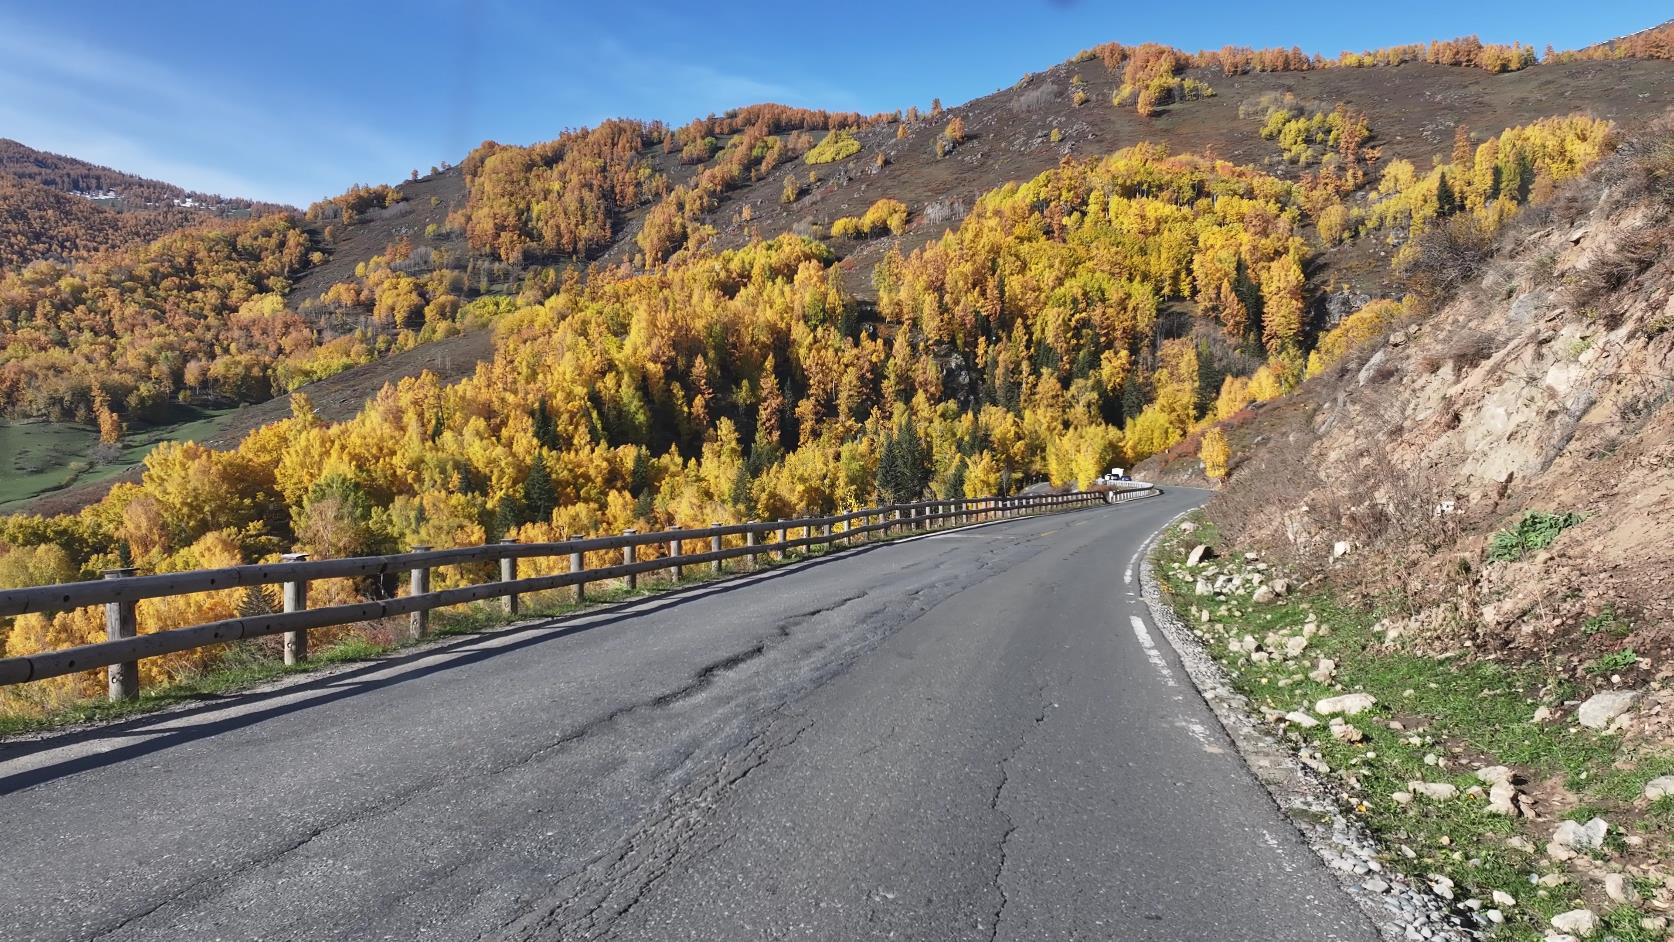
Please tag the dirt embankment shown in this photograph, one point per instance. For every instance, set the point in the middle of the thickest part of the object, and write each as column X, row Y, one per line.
column 1497, row 475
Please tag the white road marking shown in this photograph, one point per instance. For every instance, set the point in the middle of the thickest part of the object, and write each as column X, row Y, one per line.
column 1132, row 571
column 1201, row 734
column 1151, row 653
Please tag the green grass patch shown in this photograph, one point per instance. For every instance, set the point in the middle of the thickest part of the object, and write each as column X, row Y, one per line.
column 1436, row 720
column 40, row 457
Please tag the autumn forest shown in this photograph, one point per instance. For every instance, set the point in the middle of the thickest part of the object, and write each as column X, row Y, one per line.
column 663, row 355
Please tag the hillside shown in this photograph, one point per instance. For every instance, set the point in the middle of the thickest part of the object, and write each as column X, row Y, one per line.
column 392, row 270
column 1542, row 387
column 1456, row 524
column 58, row 208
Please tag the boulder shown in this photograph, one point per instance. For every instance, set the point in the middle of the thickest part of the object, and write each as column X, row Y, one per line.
column 1577, row 836
column 1280, row 587
column 1435, row 791
column 1347, row 704
column 1493, row 775
column 1199, row 553
column 1263, row 595
column 1301, row 719
column 1577, row 922
column 1659, row 787
column 1341, row 548
column 1295, row 645
column 1324, row 671
column 1601, row 709
column 1619, row 889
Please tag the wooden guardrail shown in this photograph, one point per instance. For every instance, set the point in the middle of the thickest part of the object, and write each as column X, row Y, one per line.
column 121, row 589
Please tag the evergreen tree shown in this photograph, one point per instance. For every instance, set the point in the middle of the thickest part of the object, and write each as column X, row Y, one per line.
column 540, row 497
column 256, row 602
column 1210, row 374
column 1447, row 203
column 1133, row 395
column 546, row 429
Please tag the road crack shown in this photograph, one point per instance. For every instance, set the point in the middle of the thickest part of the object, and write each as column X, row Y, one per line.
column 1004, row 844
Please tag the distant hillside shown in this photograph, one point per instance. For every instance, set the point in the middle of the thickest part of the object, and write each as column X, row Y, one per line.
column 379, row 274
column 58, row 208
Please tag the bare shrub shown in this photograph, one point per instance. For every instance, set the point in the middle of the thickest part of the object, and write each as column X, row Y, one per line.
column 946, row 209
column 1464, row 348
column 1447, row 256
column 1609, row 271
column 1643, row 167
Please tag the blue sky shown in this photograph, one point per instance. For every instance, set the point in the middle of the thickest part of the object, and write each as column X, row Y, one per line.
column 295, row 100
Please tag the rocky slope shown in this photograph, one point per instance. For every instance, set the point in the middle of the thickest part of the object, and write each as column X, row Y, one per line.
column 1495, row 473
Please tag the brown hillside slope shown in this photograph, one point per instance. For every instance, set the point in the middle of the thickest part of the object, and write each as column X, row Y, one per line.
column 60, row 208
column 1547, row 385
column 1413, row 110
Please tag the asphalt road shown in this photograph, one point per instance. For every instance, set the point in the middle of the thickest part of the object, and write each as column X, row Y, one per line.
column 973, row 735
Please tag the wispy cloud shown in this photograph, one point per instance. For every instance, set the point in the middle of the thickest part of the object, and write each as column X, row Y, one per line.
column 64, row 94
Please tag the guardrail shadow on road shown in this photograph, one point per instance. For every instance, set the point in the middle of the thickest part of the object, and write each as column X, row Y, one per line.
column 356, row 681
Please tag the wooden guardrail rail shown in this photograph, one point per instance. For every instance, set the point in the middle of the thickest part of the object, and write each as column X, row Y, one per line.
column 121, row 589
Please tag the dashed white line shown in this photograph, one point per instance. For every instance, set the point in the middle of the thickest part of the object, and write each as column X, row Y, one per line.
column 1151, row 653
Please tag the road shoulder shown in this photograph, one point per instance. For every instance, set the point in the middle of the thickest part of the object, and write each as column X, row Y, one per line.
column 1398, row 908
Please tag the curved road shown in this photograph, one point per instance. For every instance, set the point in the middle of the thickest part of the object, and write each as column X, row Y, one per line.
column 974, row 735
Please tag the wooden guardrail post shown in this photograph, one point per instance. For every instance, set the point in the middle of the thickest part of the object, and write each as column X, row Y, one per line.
column 576, row 564
column 715, row 546
column 121, row 621
column 295, row 599
column 419, row 584
column 508, row 573
column 631, row 580
column 674, row 556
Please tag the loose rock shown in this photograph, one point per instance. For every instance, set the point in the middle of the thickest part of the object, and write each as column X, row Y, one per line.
column 1578, row 922
column 1324, row 671
column 1347, row 704
column 1577, row 836
column 1435, row 791
column 1601, row 708
column 1659, row 787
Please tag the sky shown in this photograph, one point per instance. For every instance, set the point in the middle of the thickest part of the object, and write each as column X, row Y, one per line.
column 297, row 100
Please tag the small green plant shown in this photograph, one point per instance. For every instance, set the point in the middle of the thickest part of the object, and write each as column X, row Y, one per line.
column 1606, row 622
column 1535, row 531
column 1614, row 661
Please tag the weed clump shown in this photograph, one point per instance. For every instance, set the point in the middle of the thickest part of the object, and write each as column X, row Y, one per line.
column 1535, row 531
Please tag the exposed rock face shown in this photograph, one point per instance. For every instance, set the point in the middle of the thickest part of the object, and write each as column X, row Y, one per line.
column 1542, row 385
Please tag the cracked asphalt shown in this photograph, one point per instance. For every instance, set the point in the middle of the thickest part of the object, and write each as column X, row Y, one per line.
column 965, row 736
